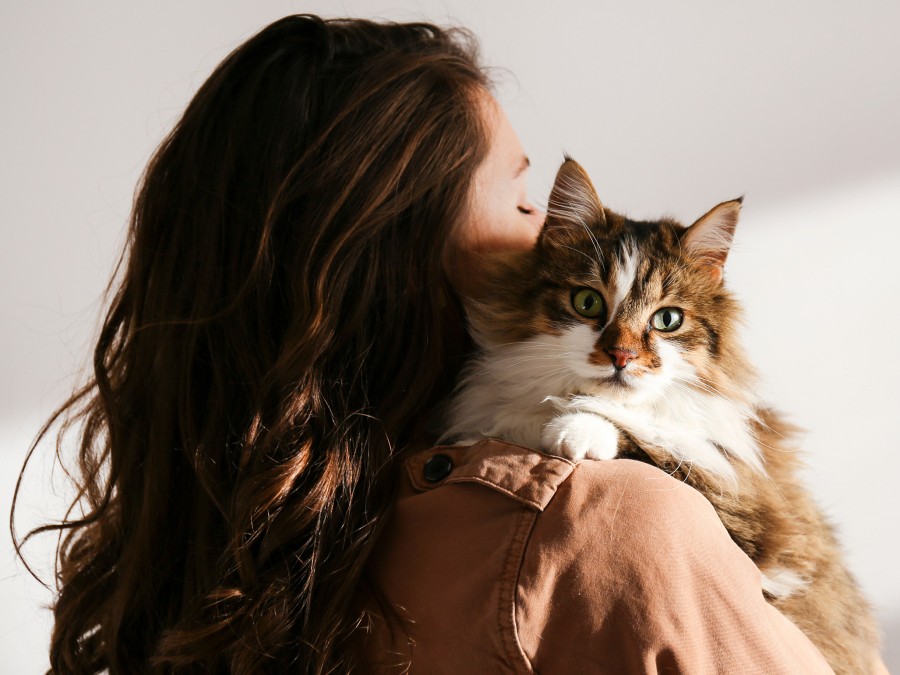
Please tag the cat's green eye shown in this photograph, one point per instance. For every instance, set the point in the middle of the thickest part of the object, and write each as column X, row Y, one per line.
column 667, row 319
column 587, row 302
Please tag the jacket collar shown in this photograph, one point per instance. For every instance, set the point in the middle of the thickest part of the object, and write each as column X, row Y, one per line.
column 528, row 476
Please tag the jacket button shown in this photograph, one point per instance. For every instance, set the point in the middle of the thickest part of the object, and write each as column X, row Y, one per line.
column 438, row 468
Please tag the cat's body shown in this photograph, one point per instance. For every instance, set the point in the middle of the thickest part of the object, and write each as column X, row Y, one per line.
column 615, row 338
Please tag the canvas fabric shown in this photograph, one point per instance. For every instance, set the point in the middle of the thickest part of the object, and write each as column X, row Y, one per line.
column 519, row 562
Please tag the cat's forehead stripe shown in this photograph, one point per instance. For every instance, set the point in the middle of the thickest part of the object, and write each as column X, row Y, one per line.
column 626, row 271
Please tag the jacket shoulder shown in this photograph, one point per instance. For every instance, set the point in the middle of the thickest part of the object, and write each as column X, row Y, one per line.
column 542, row 541
column 628, row 570
column 539, row 564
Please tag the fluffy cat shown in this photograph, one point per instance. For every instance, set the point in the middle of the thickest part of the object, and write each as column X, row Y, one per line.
column 617, row 338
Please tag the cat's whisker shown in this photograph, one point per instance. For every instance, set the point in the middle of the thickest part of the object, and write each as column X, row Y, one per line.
column 689, row 470
column 550, row 351
column 496, row 354
column 735, row 389
column 681, row 461
column 549, row 354
column 523, row 345
column 569, row 187
column 677, row 467
column 518, row 364
column 532, row 364
column 772, row 430
column 575, row 250
column 685, row 386
column 708, row 390
column 679, row 267
column 550, row 365
column 784, row 451
column 702, row 385
column 594, row 243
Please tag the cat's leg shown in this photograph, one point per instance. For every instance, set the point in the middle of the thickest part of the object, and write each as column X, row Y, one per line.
column 580, row 435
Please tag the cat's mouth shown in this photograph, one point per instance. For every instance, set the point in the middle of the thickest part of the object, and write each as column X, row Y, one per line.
column 619, row 379
column 622, row 380
column 615, row 382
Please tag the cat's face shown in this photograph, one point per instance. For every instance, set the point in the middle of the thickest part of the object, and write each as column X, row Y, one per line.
column 626, row 309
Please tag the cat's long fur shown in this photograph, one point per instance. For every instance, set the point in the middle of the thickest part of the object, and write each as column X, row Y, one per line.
column 545, row 377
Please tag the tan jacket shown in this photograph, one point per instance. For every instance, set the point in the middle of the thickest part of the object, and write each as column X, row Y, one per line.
column 499, row 559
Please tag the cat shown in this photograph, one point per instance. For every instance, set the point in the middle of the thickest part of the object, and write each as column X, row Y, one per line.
column 618, row 338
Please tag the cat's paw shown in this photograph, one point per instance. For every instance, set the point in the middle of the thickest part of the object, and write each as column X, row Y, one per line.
column 580, row 435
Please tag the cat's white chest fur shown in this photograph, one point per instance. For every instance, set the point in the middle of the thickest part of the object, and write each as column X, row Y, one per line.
column 525, row 393
column 505, row 392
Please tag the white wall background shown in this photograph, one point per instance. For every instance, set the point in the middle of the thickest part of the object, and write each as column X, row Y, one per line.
column 672, row 107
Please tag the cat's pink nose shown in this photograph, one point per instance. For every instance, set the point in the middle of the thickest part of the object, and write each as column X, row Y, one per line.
column 621, row 357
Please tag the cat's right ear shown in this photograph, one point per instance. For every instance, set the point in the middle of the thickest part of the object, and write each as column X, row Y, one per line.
column 709, row 239
column 573, row 203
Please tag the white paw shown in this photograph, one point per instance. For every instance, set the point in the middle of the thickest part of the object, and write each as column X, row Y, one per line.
column 580, row 436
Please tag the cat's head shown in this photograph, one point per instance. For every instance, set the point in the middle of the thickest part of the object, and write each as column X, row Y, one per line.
column 627, row 309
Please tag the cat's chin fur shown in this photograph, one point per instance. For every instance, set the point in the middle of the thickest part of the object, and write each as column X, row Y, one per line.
column 514, row 390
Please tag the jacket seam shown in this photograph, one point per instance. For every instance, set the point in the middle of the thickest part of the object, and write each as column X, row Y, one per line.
column 509, row 586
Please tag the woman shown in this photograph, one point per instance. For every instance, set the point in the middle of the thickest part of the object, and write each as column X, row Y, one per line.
column 258, row 491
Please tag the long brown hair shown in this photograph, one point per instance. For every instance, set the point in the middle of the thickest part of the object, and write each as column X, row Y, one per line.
column 278, row 330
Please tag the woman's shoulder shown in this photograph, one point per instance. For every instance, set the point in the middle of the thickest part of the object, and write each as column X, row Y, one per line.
column 492, row 544
column 537, row 563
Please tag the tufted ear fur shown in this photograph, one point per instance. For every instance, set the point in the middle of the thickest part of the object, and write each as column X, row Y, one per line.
column 573, row 201
column 709, row 239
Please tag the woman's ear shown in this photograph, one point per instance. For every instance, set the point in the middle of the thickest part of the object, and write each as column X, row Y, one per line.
column 709, row 239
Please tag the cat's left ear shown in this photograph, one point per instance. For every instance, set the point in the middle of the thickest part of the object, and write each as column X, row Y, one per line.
column 709, row 239
column 573, row 202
